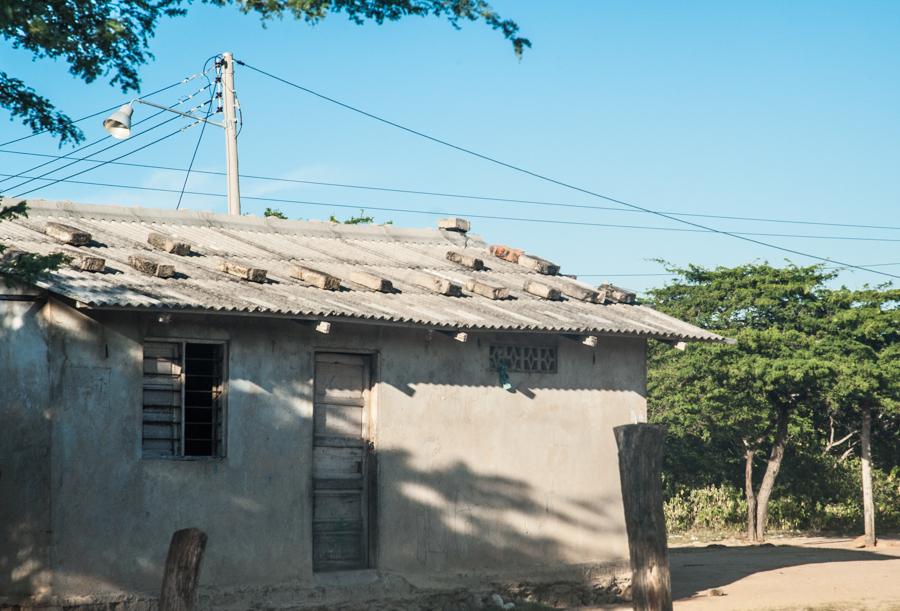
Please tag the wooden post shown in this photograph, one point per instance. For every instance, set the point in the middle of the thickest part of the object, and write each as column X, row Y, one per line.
column 179, row 586
column 865, row 442
column 640, row 469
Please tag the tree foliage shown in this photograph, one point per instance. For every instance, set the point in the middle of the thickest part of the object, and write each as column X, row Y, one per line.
column 19, row 265
column 807, row 356
column 112, row 38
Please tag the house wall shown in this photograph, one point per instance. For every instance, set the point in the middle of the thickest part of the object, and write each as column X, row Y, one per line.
column 471, row 477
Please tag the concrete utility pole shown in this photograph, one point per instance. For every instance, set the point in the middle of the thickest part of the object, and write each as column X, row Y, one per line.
column 231, row 155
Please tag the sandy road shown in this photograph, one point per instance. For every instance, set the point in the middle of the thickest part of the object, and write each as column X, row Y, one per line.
column 798, row 573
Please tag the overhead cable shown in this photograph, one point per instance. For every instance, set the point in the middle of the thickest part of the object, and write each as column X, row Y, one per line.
column 551, row 180
column 105, row 162
column 106, row 110
column 111, row 146
column 465, row 196
column 364, row 206
column 97, row 141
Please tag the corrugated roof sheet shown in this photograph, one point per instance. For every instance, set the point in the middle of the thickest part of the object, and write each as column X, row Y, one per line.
column 278, row 245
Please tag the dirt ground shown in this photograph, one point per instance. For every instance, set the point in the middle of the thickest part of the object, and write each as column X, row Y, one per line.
column 787, row 573
column 798, row 573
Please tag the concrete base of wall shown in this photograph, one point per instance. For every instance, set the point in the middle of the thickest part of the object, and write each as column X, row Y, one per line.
column 563, row 587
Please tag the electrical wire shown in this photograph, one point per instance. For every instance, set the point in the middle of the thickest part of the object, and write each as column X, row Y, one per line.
column 358, row 206
column 105, row 110
column 671, row 275
column 111, row 146
column 468, row 196
column 103, row 163
column 99, row 140
column 551, row 180
column 187, row 174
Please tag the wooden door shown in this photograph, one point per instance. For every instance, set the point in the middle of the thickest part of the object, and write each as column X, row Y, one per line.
column 341, row 463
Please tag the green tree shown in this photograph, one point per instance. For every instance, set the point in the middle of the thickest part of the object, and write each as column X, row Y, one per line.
column 861, row 335
column 744, row 399
column 112, row 38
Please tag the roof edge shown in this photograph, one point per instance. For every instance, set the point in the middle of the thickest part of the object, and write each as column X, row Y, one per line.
column 715, row 339
column 214, row 220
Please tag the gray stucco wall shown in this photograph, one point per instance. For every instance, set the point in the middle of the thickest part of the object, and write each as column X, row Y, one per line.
column 471, row 477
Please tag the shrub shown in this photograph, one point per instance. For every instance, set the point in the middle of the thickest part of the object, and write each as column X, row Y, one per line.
column 710, row 508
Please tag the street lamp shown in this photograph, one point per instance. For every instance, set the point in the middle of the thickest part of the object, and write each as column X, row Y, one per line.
column 118, row 125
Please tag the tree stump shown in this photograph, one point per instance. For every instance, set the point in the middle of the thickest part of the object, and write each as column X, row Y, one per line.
column 182, row 572
column 640, row 470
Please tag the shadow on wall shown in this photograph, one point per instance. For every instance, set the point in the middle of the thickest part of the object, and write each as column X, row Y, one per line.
column 453, row 518
column 255, row 506
column 24, row 450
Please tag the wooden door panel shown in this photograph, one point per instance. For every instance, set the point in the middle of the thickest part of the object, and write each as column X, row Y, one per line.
column 340, row 493
column 339, row 420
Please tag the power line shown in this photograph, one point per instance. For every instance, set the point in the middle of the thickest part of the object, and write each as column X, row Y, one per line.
column 673, row 274
column 358, row 206
column 187, row 174
column 105, row 110
column 95, row 142
column 552, row 180
column 88, row 159
column 466, row 196
column 103, row 163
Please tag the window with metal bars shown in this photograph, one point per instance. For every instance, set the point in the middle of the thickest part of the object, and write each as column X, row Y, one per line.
column 183, row 412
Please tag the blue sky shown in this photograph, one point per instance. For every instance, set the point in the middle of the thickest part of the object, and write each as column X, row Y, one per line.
column 765, row 109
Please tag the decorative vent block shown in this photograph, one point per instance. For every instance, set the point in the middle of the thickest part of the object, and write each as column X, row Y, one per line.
column 525, row 359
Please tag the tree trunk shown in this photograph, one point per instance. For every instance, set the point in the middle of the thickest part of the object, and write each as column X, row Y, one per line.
column 865, row 437
column 182, row 572
column 640, row 471
column 772, row 468
column 750, row 494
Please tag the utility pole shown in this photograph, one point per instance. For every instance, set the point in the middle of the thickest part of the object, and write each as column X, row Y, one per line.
column 231, row 155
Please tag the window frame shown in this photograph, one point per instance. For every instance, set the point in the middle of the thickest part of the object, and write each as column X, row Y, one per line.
column 222, row 452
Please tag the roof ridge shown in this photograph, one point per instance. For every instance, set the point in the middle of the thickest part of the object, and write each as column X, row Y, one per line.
column 327, row 229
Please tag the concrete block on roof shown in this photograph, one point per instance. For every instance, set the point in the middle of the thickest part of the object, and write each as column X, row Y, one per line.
column 244, row 272
column 150, row 267
column 455, row 224
column 85, row 263
column 67, row 234
column 442, row 286
column 317, row 278
column 615, row 294
column 544, row 291
column 581, row 293
column 484, row 289
column 371, row 281
column 506, row 253
column 165, row 243
column 541, row 266
column 465, row 260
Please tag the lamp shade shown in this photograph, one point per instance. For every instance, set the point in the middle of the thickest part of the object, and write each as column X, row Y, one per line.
column 118, row 124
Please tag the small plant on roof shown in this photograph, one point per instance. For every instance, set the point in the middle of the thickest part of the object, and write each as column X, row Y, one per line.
column 276, row 213
column 362, row 219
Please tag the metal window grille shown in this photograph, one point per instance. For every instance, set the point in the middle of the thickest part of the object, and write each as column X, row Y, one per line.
column 183, row 397
column 527, row 359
